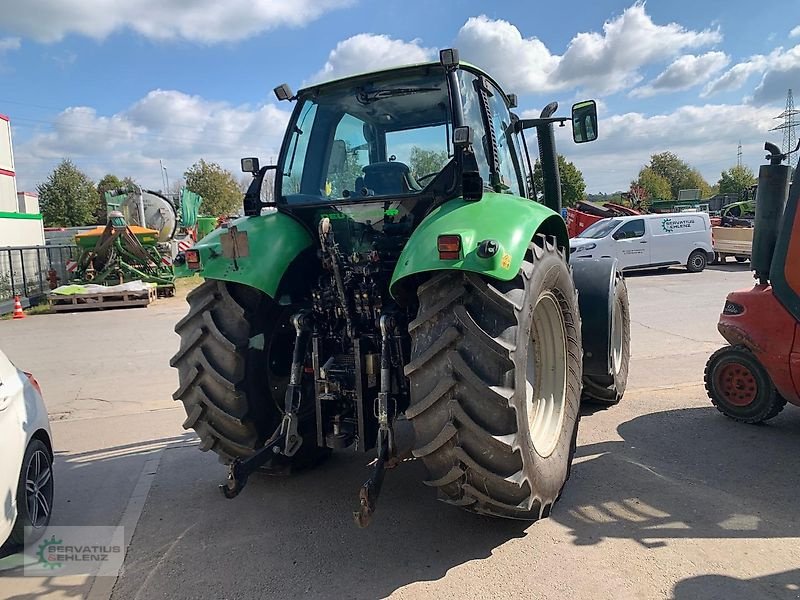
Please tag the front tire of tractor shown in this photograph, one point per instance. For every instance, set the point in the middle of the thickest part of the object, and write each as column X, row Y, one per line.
column 609, row 389
column 233, row 368
column 495, row 376
column 740, row 387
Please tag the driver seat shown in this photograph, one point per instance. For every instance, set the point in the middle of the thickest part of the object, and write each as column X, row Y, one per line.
column 387, row 178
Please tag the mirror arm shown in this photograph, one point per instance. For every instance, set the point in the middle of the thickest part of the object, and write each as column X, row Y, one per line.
column 530, row 123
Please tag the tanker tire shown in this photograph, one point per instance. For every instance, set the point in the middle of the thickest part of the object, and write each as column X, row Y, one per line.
column 231, row 384
column 470, row 396
column 609, row 389
column 767, row 402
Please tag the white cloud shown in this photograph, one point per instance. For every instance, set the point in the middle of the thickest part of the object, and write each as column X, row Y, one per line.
column 206, row 21
column 165, row 124
column 604, row 62
column 782, row 72
column 370, row 52
column 795, row 32
column 8, row 44
column 519, row 63
column 735, row 77
column 685, row 72
column 704, row 136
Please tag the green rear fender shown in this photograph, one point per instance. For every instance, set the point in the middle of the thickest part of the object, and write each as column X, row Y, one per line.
column 508, row 220
column 274, row 241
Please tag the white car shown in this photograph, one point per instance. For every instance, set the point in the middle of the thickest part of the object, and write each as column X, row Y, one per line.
column 642, row 241
column 26, row 457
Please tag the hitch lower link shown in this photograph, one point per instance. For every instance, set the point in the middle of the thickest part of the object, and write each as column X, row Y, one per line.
column 368, row 495
column 286, row 440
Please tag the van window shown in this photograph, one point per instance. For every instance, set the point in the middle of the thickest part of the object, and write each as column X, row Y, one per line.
column 599, row 229
column 631, row 229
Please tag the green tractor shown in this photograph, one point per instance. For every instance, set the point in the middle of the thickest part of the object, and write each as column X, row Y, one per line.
column 405, row 294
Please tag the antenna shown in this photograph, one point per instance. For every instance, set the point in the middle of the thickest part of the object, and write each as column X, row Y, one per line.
column 788, row 127
column 739, row 155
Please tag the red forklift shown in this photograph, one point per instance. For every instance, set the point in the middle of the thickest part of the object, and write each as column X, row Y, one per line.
column 753, row 378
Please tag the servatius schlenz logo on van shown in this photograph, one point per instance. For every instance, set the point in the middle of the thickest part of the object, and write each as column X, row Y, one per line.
column 669, row 224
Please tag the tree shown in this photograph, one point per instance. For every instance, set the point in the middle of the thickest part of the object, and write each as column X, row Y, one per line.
column 573, row 187
column 656, row 186
column 736, row 180
column 106, row 184
column 68, row 198
column 424, row 162
column 678, row 173
column 217, row 186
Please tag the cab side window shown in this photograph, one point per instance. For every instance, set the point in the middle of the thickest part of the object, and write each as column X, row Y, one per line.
column 630, row 230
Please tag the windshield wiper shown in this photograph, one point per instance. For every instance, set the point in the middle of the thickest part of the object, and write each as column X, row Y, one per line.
column 365, row 97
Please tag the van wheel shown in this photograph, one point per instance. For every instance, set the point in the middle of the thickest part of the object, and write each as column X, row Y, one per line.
column 697, row 261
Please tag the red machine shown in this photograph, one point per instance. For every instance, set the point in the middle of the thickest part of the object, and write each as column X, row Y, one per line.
column 752, row 379
column 585, row 214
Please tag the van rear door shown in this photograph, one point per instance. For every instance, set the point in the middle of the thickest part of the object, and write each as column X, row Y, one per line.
column 631, row 246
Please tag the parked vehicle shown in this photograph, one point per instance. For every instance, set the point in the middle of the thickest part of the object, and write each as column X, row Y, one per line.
column 732, row 241
column 26, row 457
column 753, row 378
column 644, row 241
column 399, row 308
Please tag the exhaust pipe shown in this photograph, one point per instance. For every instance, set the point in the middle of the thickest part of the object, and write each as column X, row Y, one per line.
column 773, row 190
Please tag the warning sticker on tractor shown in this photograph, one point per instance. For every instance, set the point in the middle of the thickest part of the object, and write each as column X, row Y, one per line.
column 505, row 262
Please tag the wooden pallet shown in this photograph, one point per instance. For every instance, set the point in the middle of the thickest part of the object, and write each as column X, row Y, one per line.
column 59, row 303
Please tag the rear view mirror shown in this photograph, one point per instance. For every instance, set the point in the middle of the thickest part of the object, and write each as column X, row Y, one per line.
column 250, row 165
column 584, row 121
column 338, row 157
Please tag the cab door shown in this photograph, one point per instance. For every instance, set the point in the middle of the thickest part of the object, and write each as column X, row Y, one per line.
column 631, row 244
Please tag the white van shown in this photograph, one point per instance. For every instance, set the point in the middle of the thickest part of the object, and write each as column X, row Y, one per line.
column 657, row 240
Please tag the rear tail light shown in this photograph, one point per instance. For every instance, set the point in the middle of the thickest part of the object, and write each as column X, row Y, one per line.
column 192, row 259
column 449, row 247
column 34, row 383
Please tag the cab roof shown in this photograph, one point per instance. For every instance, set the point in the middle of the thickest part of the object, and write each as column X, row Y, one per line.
column 410, row 67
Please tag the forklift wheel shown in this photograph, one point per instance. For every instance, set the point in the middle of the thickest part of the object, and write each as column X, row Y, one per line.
column 740, row 387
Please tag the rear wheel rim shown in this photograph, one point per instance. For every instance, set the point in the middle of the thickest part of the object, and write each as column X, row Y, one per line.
column 736, row 384
column 39, row 489
column 616, row 337
column 698, row 261
column 546, row 375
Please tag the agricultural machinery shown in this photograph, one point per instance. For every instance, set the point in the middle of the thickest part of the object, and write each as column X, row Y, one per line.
column 133, row 245
column 753, row 378
column 405, row 294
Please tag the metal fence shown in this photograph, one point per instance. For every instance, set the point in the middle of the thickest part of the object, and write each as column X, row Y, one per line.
column 32, row 271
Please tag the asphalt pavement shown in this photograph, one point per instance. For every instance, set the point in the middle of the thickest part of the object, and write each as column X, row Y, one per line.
column 668, row 498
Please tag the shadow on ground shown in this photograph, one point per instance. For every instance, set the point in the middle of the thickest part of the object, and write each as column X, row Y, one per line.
column 719, row 587
column 287, row 537
column 91, row 488
column 676, row 474
column 689, row 473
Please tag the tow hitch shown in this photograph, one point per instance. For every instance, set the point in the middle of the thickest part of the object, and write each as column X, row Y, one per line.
column 286, row 440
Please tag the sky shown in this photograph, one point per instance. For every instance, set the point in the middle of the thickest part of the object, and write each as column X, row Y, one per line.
column 125, row 87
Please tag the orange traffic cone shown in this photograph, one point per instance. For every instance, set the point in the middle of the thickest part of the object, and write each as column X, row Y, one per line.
column 18, row 314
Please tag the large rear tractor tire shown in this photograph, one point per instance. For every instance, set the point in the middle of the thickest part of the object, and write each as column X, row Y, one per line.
column 233, row 368
column 740, row 387
column 608, row 389
column 495, row 376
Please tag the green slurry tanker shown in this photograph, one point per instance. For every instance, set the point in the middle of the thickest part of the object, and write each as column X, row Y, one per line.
column 405, row 294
